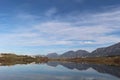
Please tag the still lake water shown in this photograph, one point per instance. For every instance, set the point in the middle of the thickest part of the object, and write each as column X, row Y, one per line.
column 59, row 71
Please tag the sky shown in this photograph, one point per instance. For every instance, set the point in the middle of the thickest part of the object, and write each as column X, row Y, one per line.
column 46, row 26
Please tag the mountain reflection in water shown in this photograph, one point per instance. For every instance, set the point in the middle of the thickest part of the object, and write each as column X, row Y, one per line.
column 112, row 70
column 58, row 71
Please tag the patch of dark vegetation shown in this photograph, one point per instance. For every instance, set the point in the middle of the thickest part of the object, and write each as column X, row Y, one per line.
column 113, row 60
column 11, row 59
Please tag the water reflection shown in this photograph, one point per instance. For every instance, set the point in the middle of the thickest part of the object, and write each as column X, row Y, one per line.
column 59, row 71
column 112, row 70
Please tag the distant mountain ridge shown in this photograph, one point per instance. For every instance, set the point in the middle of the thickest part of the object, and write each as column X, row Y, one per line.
column 113, row 50
column 52, row 55
column 74, row 54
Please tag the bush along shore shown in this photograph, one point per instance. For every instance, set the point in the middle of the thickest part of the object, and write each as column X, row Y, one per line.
column 109, row 60
column 12, row 59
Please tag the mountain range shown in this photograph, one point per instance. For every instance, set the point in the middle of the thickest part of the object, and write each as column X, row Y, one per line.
column 52, row 55
column 113, row 50
column 73, row 54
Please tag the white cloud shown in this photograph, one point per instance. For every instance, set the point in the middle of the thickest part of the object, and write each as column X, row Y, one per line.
column 88, row 29
column 50, row 12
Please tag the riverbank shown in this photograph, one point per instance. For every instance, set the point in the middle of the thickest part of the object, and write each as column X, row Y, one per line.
column 11, row 59
column 113, row 60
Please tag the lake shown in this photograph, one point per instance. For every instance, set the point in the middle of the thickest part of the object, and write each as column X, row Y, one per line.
column 59, row 71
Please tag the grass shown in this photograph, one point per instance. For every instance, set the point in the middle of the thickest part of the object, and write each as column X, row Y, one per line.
column 12, row 59
column 114, row 60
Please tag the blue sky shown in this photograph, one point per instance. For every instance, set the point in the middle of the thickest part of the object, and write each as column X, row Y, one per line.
column 46, row 26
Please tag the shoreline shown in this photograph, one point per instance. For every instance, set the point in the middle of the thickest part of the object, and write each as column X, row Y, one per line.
column 115, row 61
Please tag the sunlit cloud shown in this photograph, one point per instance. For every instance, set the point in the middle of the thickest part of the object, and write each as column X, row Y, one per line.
column 61, row 33
column 71, row 29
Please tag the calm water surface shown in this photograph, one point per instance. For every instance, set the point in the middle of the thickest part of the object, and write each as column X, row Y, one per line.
column 59, row 71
